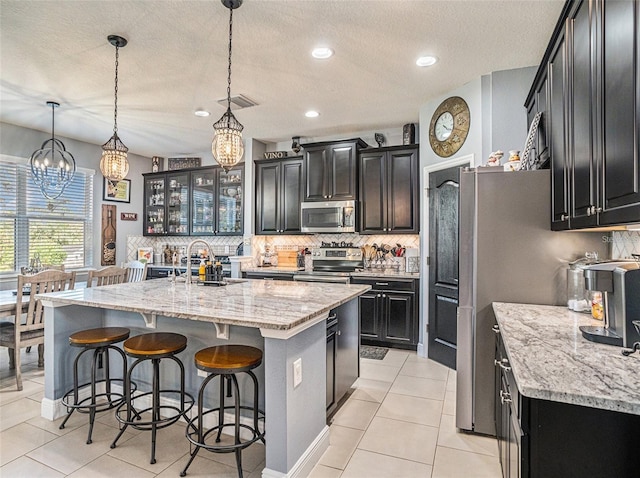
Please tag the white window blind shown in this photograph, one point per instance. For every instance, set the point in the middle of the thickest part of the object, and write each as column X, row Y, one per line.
column 59, row 231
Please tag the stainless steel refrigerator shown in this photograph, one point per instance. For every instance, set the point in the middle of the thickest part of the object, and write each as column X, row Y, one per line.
column 508, row 253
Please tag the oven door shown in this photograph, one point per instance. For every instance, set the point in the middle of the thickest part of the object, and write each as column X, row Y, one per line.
column 334, row 216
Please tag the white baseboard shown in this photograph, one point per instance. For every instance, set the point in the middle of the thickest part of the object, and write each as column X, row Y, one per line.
column 421, row 351
column 307, row 461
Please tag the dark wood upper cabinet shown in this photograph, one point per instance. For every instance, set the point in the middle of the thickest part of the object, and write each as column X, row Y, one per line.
column 279, row 192
column 618, row 119
column 389, row 196
column 592, row 72
column 580, row 117
column 557, row 145
column 332, row 170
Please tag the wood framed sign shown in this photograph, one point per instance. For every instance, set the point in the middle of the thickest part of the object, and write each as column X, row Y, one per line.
column 108, row 235
column 183, row 163
column 128, row 216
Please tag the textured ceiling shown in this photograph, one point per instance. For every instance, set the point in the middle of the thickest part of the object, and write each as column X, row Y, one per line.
column 176, row 62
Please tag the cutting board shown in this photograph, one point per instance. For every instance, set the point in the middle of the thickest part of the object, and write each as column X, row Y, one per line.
column 287, row 258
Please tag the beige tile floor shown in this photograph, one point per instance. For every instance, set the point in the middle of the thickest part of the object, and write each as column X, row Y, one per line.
column 399, row 422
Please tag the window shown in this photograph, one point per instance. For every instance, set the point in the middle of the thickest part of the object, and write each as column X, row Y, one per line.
column 59, row 231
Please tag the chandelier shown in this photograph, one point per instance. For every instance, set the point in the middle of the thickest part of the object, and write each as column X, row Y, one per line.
column 227, row 147
column 52, row 166
column 114, row 164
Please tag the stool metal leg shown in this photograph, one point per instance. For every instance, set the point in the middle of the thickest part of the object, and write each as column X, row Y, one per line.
column 75, row 387
column 221, row 411
column 92, row 410
column 127, row 399
column 255, row 402
column 238, row 451
column 155, row 406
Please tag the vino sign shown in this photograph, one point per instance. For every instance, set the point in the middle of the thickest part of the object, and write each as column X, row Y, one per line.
column 128, row 216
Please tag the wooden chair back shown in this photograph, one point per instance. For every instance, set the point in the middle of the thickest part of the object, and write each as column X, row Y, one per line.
column 136, row 271
column 28, row 327
column 107, row 276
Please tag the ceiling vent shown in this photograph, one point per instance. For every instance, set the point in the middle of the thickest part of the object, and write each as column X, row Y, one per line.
column 238, row 102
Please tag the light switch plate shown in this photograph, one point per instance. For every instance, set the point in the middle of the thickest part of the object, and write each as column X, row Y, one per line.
column 297, row 372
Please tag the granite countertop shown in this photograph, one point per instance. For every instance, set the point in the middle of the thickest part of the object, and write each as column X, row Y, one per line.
column 384, row 273
column 552, row 361
column 280, row 305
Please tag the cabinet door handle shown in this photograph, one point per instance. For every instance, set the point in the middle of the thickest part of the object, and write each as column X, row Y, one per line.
column 379, row 295
column 597, row 209
column 339, row 332
column 504, row 364
column 382, row 283
column 563, row 217
column 589, row 210
column 496, row 329
column 505, row 397
column 384, row 295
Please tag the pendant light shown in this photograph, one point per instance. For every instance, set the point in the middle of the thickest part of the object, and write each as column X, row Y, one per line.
column 227, row 147
column 114, row 164
column 52, row 166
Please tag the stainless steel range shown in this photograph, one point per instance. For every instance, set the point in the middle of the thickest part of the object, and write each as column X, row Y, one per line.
column 333, row 262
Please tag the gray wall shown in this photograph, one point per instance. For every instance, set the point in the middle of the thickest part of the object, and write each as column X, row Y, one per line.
column 22, row 142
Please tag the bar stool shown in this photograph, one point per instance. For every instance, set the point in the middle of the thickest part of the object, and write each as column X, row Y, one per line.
column 154, row 347
column 100, row 341
column 226, row 361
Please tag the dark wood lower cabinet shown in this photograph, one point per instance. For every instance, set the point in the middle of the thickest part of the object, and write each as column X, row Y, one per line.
column 388, row 313
column 546, row 439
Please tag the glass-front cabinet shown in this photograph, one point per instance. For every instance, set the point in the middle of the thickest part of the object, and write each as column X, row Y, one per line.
column 198, row 202
column 166, row 204
column 203, row 201
column 230, row 202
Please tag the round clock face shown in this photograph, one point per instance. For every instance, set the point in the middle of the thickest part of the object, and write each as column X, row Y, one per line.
column 444, row 126
column 449, row 126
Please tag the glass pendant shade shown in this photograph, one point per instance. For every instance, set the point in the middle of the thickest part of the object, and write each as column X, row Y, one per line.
column 114, row 164
column 52, row 166
column 227, row 147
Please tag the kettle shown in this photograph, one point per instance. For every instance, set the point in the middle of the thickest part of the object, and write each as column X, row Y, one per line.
column 578, row 297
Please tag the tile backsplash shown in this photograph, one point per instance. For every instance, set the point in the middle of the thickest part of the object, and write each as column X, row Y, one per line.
column 625, row 243
column 256, row 244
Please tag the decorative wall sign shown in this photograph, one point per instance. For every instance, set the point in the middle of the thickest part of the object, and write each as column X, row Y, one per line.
column 108, row 239
column 275, row 154
column 184, row 163
column 116, row 191
column 128, row 216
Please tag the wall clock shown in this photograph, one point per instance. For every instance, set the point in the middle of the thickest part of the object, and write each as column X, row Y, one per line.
column 449, row 126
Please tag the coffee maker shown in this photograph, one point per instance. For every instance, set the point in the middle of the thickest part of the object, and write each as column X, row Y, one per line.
column 619, row 283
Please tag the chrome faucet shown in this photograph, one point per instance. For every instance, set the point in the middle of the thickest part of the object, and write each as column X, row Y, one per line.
column 211, row 256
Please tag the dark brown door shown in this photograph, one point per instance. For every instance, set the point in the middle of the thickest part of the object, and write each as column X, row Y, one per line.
column 373, row 192
column 444, row 192
column 292, row 190
column 268, row 197
column 342, row 172
column 316, row 164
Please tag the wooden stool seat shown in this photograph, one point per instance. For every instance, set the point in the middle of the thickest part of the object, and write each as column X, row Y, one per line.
column 99, row 336
column 155, row 344
column 225, row 359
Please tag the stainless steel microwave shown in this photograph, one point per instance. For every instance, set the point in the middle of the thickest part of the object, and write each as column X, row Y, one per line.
column 328, row 216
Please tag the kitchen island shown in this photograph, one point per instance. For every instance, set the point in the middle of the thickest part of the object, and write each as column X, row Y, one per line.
column 286, row 320
column 565, row 406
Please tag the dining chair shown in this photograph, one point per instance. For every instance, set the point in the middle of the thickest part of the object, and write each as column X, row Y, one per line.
column 136, row 271
column 28, row 327
column 107, row 276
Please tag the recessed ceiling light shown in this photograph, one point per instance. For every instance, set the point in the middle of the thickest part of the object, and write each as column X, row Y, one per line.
column 201, row 113
column 426, row 61
column 322, row 53
column 312, row 114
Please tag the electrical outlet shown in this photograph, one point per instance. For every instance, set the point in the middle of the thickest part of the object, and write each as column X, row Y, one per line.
column 202, row 373
column 297, row 372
